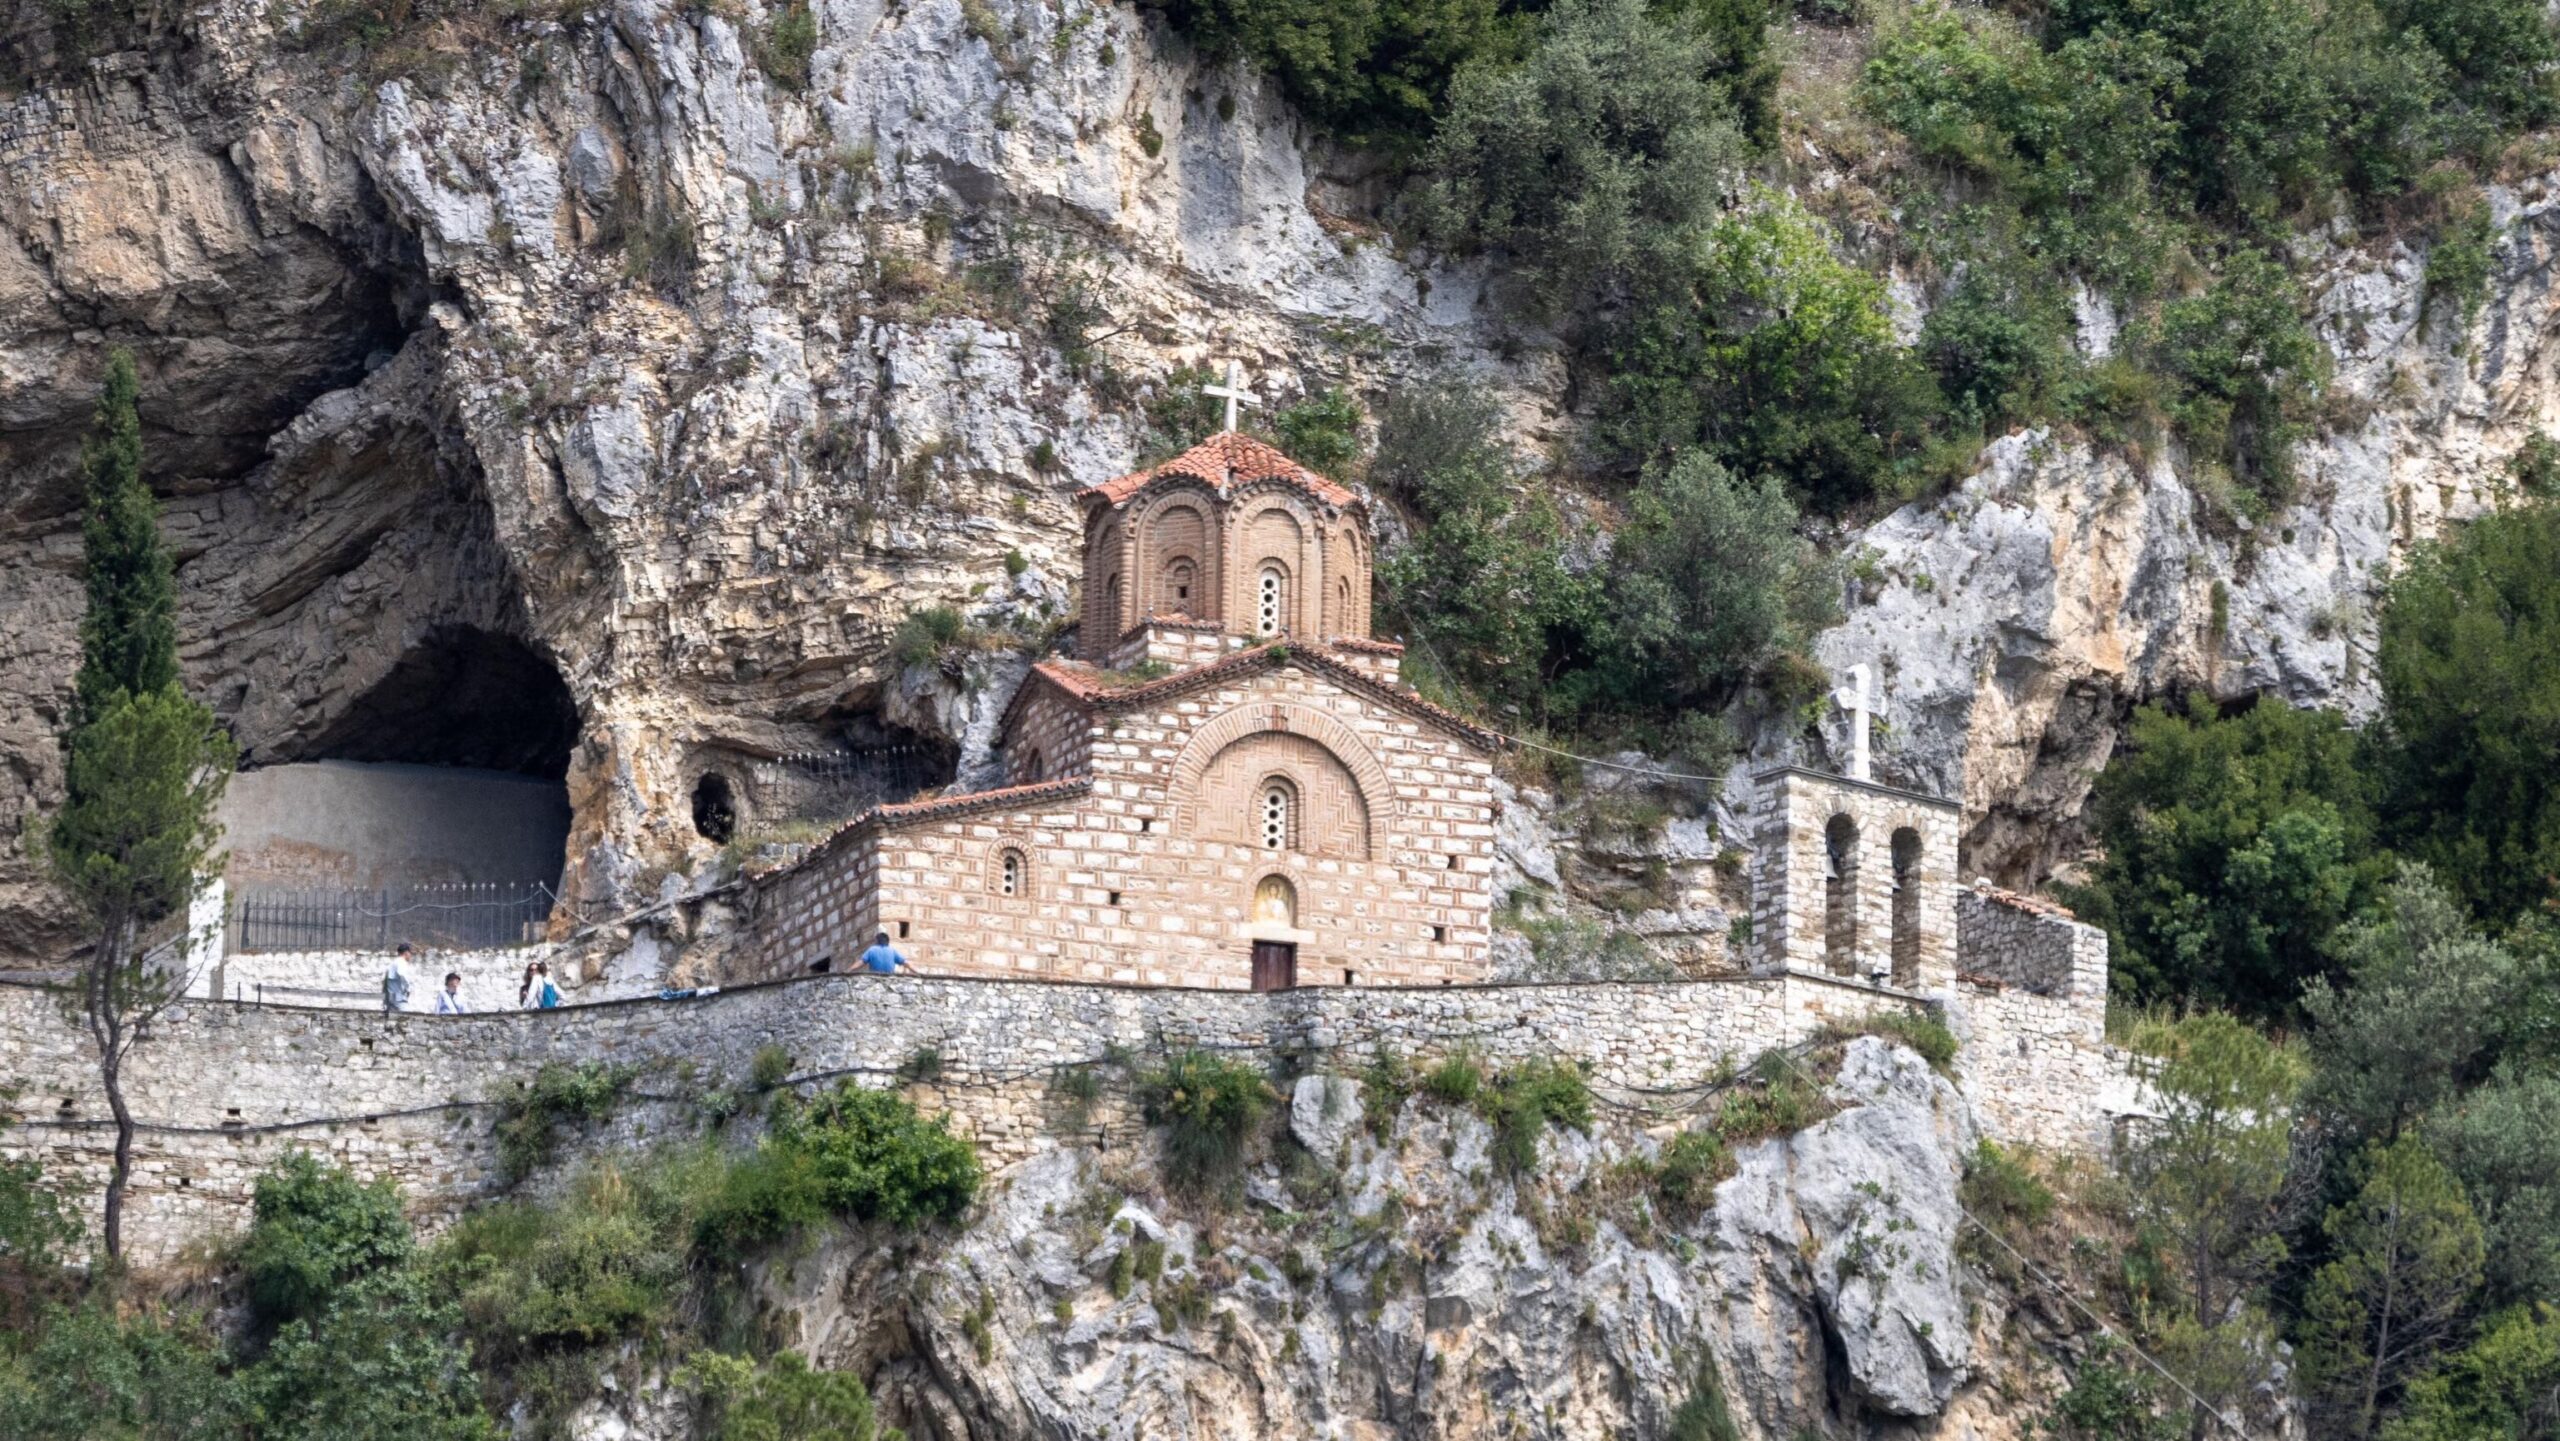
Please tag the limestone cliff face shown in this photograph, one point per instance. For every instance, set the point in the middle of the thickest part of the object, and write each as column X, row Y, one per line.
column 1402, row 1283
column 584, row 354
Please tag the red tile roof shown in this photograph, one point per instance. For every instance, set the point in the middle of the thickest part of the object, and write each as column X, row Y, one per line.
column 1364, row 645
column 2032, row 905
column 1223, row 461
column 1000, row 799
column 1090, row 687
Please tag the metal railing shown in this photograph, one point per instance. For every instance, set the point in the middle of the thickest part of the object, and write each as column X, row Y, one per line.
column 838, row 784
column 482, row 916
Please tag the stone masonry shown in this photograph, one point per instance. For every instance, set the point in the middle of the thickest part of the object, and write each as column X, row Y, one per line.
column 1855, row 879
column 224, row 1088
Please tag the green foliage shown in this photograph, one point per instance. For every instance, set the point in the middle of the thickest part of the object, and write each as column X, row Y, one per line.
column 36, row 1226
column 2110, row 1400
column 379, row 1365
column 1208, row 1106
column 315, row 1230
column 2419, row 1018
column 2501, row 1143
column 2460, row 260
column 781, row 1399
column 1373, row 70
column 532, row 1116
column 935, row 635
column 137, row 827
column 1777, row 356
column 1526, row 1099
column 2500, row 52
column 1320, row 432
column 1704, row 1414
column 1481, row 586
column 2206, row 1174
column 852, row 1152
column 2244, row 367
column 2232, row 848
column 2469, row 664
column 2535, row 467
column 1455, row 1078
column 769, row 1068
column 1709, row 585
column 2407, row 1260
column 1599, row 158
column 2504, row 1387
column 129, row 630
column 87, row 1374
column 1919, row 1031
column 1573, row 948
column 1777, row 1100
column 790, row 38
column 1693, row 1164
column 2001, row 1192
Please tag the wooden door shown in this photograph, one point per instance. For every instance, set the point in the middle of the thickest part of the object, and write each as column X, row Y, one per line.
column 1275, row 966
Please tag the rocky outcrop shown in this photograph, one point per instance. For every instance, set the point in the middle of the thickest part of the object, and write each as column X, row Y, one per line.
column 580, row 347
column 1405, row 1283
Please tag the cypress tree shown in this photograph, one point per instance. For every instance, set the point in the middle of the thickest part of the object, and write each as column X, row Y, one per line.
column 144, row 766
column 129, row 635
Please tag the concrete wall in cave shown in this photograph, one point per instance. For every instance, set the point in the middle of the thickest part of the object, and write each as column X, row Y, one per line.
column 352, row 823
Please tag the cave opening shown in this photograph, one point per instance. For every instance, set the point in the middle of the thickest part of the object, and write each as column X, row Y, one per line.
column 439, row 797
column 715, row 809
column 462, row 697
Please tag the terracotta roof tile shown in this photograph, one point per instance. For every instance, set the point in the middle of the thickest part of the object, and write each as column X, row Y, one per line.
column 1085, row 685
column 1364, row 645
column 1223, row 461
column 1001, row 798
column 2030, row 904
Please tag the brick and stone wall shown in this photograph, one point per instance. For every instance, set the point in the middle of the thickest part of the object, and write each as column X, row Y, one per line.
column 1150, row 875
column 223, row 1089
column 2033, row 945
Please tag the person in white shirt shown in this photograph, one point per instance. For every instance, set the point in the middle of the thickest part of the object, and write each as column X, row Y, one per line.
column 449, row 1000
column 395, row 981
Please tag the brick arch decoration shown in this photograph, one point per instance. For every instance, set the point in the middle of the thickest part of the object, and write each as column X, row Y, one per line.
column 1377, row 797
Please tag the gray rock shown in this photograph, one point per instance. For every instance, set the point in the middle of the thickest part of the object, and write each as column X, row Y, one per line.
column 1324, row 1114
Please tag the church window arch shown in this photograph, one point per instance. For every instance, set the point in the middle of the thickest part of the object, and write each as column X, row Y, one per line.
column 1271, row 600
column 1275, row 901
column 1907, row 877
column 1181, row 578
column 1011, row 876
column 1275, row 814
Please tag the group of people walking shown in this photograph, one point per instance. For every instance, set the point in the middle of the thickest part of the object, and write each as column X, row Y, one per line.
column 537, row 991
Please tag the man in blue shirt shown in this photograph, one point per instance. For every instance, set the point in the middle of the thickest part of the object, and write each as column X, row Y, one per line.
column 883, row 959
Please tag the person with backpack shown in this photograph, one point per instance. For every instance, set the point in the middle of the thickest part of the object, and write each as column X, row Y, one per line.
column 546, row 996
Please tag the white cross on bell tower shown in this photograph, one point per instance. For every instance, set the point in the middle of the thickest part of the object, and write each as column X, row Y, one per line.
column 1233, row 392
column 1853, row 698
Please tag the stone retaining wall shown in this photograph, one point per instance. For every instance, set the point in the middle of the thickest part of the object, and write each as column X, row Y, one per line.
column 226, row 1088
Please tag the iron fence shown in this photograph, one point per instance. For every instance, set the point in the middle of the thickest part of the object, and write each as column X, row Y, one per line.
column 335, row 918
column 837, row 784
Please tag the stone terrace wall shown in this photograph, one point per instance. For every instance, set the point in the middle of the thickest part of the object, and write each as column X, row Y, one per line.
column 2033, row 1001
column 226, row 1088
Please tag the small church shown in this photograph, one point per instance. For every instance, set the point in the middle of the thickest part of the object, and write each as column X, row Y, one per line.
column 1225, row 783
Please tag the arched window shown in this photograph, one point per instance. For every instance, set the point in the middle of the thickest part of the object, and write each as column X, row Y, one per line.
column 1274, row 815
column 1035, row 766
column 1178, row 578
column 1840, row 896
column 1013, row 873
column 1906, row 907
column 1268, row 601
column 1111, row 598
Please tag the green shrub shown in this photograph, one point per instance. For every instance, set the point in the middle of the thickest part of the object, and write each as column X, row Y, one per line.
column 1374, row 73
column 2535, row 467
column 932, row 635
column 315, row 1228
column 790, row 39
column 1693, row 1164
column 1385, row 1083
column 35, row 1224
column 1777, row 1101
column 1321, row 432
column 1524, row 1101
column 1919, row 1031
column 1456, row 1078
column 381, row 1362
column 531, row 1116
column 2001, row 1192
column 2246, row 368
column 852, row 1152
column 86, row 1373
column 1704, row 1414
column 1209, row 1107
column 780, row 1399
column 770, row 1067
column 2109, row 1400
